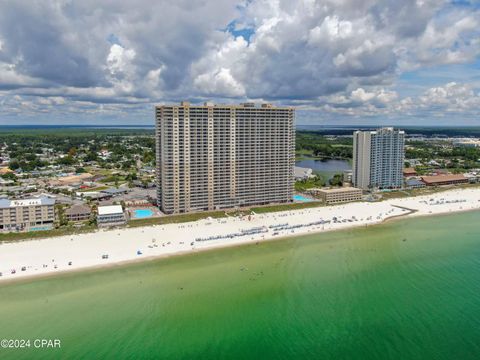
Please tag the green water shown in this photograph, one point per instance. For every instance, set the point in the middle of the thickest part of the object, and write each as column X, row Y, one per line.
column 403, row 290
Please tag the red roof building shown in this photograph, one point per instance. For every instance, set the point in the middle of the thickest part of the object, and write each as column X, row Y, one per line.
column 409, row 172
column 438, row 180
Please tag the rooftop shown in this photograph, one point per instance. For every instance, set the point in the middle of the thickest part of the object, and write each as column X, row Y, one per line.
column 78, row 209
column 247, row 105
column 413, row 182
column 443, row 178
column 339, row 190
column 7, row 203
column 110, row 210
column 114, row 191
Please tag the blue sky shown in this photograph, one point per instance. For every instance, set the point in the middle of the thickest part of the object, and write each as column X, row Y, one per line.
column 411, row 62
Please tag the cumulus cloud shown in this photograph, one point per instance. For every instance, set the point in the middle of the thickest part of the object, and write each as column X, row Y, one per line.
column 338, row 56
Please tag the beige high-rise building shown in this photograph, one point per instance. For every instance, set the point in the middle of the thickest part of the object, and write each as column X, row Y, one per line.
column 378, row 158
column 224, row 156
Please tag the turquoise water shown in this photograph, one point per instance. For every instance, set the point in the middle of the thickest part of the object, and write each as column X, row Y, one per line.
column 41, row 228
column 301, row 198
column 404, row 290
column 142, row 213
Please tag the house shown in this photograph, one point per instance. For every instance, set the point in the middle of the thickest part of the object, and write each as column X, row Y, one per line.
column 104, row 154
column 115, row 191
column 408, row 172
column 78, row 212
column 414, row 184
column 4, row 182
column 144, row 184
column 110, row 215
column 5, row 170
column 93, row 195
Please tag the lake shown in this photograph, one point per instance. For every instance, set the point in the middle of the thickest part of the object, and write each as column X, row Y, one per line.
column 327, row 168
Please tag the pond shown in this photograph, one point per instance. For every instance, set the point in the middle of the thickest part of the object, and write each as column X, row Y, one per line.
column 326, row 166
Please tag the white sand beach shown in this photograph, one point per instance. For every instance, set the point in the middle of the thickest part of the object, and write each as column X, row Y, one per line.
column 66, row 253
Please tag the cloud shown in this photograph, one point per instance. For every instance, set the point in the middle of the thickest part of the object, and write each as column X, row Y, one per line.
column 337, row 56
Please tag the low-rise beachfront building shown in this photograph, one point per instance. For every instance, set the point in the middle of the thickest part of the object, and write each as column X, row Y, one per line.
column 339, row 195
column 438, row 180
column 78, row 212
column 408, row 172
column 414, row 184
column 110, row 215
column 27, row 214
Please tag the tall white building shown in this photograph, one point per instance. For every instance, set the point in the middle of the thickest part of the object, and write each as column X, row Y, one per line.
column 223, row 156
column 378, row 158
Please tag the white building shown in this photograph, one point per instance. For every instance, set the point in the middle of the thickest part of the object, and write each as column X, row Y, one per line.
column 302, row 173
column 347, row 176
column 111, row 215
column 466, row 142
column 378, row 158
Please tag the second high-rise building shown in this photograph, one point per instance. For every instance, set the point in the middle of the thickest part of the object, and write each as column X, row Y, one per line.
column 378, row 158
column 223, row 156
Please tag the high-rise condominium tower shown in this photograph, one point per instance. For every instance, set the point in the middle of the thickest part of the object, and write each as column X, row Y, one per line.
column 378, row 158
column 223, row 156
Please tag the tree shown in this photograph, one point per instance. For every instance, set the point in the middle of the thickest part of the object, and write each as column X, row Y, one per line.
column 9, row 176
column 91, row 156
column 67, row 160
column 336, row 180
column 14, row 165
column 131, row 176
column 72, row 152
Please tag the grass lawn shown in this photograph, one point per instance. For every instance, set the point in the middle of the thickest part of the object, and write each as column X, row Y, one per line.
column 316, row 182
column 112, row 179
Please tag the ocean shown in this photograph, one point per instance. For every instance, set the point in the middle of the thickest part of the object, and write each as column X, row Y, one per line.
column 407, row 289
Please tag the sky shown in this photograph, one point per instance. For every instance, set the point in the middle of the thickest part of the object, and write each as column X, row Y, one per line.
column 339, row 62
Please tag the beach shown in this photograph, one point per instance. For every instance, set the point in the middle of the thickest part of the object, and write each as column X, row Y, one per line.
column 116, row 246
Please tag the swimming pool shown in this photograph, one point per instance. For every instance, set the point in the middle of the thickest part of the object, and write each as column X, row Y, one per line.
column 142, row 213
column 41, row 228
column 301, row 198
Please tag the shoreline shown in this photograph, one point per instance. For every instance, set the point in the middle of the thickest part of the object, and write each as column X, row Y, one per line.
column 84, row 249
